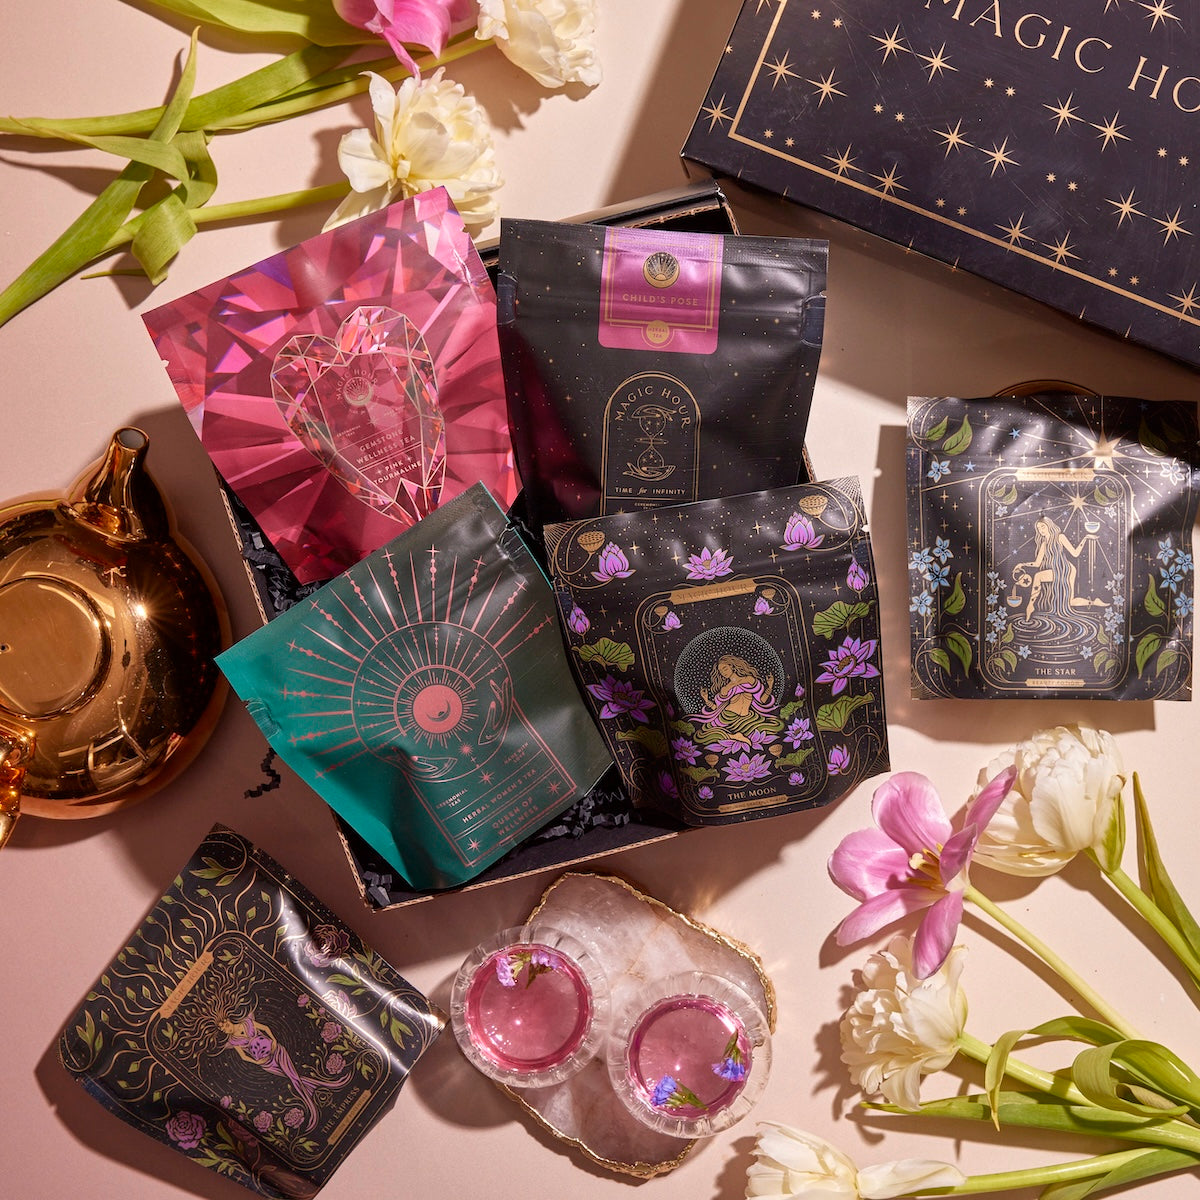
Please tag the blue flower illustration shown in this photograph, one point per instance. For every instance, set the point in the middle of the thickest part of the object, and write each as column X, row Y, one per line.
column 921, row 604
column 941, row 549
column 938, row 468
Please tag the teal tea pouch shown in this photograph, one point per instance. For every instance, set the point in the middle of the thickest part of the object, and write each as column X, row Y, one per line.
column 425, row 694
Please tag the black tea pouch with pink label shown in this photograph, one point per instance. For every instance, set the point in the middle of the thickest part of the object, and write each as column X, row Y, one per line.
column 654, row 367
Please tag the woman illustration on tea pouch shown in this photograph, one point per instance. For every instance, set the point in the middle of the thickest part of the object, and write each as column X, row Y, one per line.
column 738, row 702
column 255, row 1043
column 1051, row 576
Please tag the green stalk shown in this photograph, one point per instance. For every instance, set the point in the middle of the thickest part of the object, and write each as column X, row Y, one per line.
column 302, row 82
column 1042, row 1081
column 1154, row 917
column 1066, row 973
column 1081, row 1168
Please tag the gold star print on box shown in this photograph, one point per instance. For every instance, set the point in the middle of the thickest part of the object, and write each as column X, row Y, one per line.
column 1051, row 154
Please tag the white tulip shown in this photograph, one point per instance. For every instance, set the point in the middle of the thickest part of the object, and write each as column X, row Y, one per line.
column 554, row 40
column 428, row 133
column 1066, row 798
column 901, row 1028
column 791, row 1163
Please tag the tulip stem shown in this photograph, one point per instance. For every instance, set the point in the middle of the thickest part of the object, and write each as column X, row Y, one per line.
column 1066, row 973
column 1155, row 918
column 1043, row 1081
column 1080, row 1168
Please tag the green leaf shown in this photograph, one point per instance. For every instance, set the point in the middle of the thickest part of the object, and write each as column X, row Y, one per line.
column 958, row 441
column 795, row 759
column 1154, row 602
column 1007, row 496
column 1009, row 659
column 1144, row 1166
column 1150, row 440
column 317, row 23
column 607, row 653
column 995, row 1067
column 653, row 739
column 833, row 717
column 88, row 236
column 941, row 658
column 700, row 774
column 167, row 226
column 1094, row 1076
column 938, row 431
column 1165, row 659
column 957, row 599
column 1154, row 871
column 1146, row 649
column 838, row 616
column 961, row 649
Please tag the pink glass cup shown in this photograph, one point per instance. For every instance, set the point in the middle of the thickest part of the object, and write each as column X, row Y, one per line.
column 690, row 1055
column 530, row 1006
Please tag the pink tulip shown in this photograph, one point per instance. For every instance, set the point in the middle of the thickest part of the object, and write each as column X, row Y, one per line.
column 913, row 861
column 403, row 23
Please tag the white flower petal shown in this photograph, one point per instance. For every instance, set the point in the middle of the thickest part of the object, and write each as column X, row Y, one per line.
column 885, row 1180
column 553, row 40
column 358, row 204
column 790, row 1162
column 361, row 158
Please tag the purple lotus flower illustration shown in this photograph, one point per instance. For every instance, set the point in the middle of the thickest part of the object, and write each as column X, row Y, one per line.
column 857, row 576
column 799, row 534
column 746, row 768
column 796, row 778
column 672, row 621
column 577, row 621
column 799, row 691
column 705, row 793
column 666, row 784
column 620, row 698
column 839, row 759
column 709, row 565
column 760, row 738
column 800, row 730
column 762, row 607
column 685, row 751
column 612, row 564
column 186, row 1129
column 727, row 746
column 847, row 662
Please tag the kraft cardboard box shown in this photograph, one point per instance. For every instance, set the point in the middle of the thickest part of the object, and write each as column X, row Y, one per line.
column 1054, row 149
column 604, row 821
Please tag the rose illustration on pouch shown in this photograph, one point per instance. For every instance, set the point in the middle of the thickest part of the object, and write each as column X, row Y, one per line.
column 799, row 533
column 365, row 403
column 612, row 564
column 709, row 565
column 326, row 943
column 186, row 1129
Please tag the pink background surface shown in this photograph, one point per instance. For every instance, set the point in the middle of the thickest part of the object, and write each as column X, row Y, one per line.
column 79, row 364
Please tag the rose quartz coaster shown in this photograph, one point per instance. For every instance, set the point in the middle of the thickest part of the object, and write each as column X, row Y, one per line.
column 636, row 939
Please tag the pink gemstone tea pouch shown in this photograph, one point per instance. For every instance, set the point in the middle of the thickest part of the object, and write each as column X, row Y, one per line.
column 348, row 386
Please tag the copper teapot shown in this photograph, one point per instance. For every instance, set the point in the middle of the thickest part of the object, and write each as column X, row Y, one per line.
column 108, row 632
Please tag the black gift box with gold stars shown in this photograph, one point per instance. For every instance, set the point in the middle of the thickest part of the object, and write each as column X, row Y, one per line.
column 1054, row 149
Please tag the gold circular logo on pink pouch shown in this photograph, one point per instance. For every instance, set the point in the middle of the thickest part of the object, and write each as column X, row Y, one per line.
column 657, row 332
column 437, row 708
column 661, row 269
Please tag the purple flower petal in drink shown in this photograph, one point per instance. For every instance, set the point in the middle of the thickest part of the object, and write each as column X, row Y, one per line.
column 504, row 971
column 664, row 1089
column 709, row 565
column 731, row 1069
column 612, row 564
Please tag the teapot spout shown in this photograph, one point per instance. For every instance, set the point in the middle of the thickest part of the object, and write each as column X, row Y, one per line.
column 118, row 497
